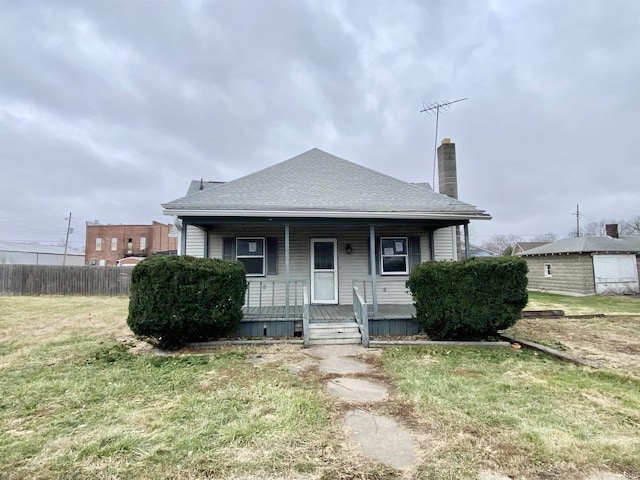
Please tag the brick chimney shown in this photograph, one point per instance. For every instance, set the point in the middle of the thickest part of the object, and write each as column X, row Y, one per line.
column 447, row 170
column 612, row 230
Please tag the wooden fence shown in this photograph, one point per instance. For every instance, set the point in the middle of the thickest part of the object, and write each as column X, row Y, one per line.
column 64, row 280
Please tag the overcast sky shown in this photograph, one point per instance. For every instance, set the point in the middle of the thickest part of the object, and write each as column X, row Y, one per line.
column 110, row 108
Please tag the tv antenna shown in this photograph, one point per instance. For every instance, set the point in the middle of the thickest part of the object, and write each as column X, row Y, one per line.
column 430, row 108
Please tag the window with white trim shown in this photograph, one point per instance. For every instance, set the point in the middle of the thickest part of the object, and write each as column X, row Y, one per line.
column 394, row 256
column 143, row 244
column 98, row 244
column 114, row 244
column 250, row 252
column 547, row 269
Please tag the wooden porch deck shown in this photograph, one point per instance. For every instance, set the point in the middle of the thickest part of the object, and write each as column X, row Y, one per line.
column 328, row 313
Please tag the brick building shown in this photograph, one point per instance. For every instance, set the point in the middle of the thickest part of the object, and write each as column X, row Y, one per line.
column 107, row 244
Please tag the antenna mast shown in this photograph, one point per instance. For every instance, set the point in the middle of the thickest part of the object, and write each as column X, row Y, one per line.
column 429, row 108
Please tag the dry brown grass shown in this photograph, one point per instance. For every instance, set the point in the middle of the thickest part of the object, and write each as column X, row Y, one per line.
column 612, row 343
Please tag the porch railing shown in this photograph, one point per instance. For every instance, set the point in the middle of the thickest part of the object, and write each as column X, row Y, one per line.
column 361, row 315
column 263, row 294
column 392, row 288
column 305, row 315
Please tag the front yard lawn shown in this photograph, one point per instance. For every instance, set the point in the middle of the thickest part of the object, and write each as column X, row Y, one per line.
column 81, row 398
column 519, row 413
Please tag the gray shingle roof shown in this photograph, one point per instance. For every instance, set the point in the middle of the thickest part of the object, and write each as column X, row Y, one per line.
column 194, row 186
column 624, row 244
column 316, row 181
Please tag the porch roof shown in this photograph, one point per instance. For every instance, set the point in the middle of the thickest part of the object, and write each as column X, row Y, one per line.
column 318, row 184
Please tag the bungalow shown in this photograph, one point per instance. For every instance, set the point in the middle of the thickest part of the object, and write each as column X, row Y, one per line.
column 586, row 265
column 311, row 230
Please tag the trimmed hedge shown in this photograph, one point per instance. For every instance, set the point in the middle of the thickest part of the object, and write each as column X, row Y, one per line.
column 471, row 299
column 180, row 299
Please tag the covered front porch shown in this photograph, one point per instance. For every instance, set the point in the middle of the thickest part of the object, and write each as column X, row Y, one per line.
column 264, row 317
column 327, row 313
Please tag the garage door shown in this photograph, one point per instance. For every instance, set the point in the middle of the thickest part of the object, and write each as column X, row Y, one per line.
column 616, row 274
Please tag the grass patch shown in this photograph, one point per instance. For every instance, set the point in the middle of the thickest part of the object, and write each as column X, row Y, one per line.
column 609, row 305
column 77, row 403
column 519, row 413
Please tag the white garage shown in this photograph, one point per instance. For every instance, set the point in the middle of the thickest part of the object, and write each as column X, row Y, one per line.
column 586, row 266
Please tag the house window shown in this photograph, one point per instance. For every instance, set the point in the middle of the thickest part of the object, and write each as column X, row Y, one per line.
column 130, row 245
column 98, row 244
column 114, row 244
column 394, row 256
column 547, row 269
column 143, row 244
column 250, row 251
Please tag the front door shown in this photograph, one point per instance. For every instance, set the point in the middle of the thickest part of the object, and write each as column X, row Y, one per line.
column 324, row 270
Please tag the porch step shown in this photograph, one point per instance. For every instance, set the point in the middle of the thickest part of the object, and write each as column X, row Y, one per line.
column 334, row 333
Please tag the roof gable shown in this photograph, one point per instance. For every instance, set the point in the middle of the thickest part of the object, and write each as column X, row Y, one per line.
column 319, row 181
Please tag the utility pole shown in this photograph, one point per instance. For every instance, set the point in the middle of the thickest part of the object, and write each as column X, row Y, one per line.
column 577, row 214
column 66, row 241
column 429, row 108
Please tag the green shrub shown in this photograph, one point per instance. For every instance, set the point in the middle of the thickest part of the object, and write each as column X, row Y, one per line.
column 469, row 300
column 179, row 299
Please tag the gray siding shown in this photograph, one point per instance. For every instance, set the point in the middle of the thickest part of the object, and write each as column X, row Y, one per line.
column 444, row 244
column 570, row 274
column 350, row 267
column 195, row 241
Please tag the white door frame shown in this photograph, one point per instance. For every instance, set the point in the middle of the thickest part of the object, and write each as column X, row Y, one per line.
column 333, row 301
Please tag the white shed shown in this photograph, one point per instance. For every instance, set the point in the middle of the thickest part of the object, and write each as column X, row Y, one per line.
column 586, row 266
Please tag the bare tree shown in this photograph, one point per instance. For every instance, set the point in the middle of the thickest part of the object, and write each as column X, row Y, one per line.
column 546, row 237
column 595, row 229
column 631, row 226
column 501, row 244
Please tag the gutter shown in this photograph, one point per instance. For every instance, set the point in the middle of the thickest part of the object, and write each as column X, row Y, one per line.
column 325, row 213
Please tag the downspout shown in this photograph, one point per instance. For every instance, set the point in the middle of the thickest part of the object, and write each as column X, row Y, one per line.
column 372, row 261
column 177, row 222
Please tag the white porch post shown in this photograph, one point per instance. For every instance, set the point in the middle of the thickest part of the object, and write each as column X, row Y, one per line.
column 287, row 273
column 372, row 261
column 183, row 239
column 466, row 240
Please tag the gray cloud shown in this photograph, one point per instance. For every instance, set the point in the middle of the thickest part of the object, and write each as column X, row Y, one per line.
column 109, row 108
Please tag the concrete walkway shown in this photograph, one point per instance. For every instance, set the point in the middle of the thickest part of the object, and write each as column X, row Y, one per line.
column 377, row 437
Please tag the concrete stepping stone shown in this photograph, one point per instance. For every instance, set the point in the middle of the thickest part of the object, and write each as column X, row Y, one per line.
column 329, row 351
column 357, row 390
column 380, row 438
